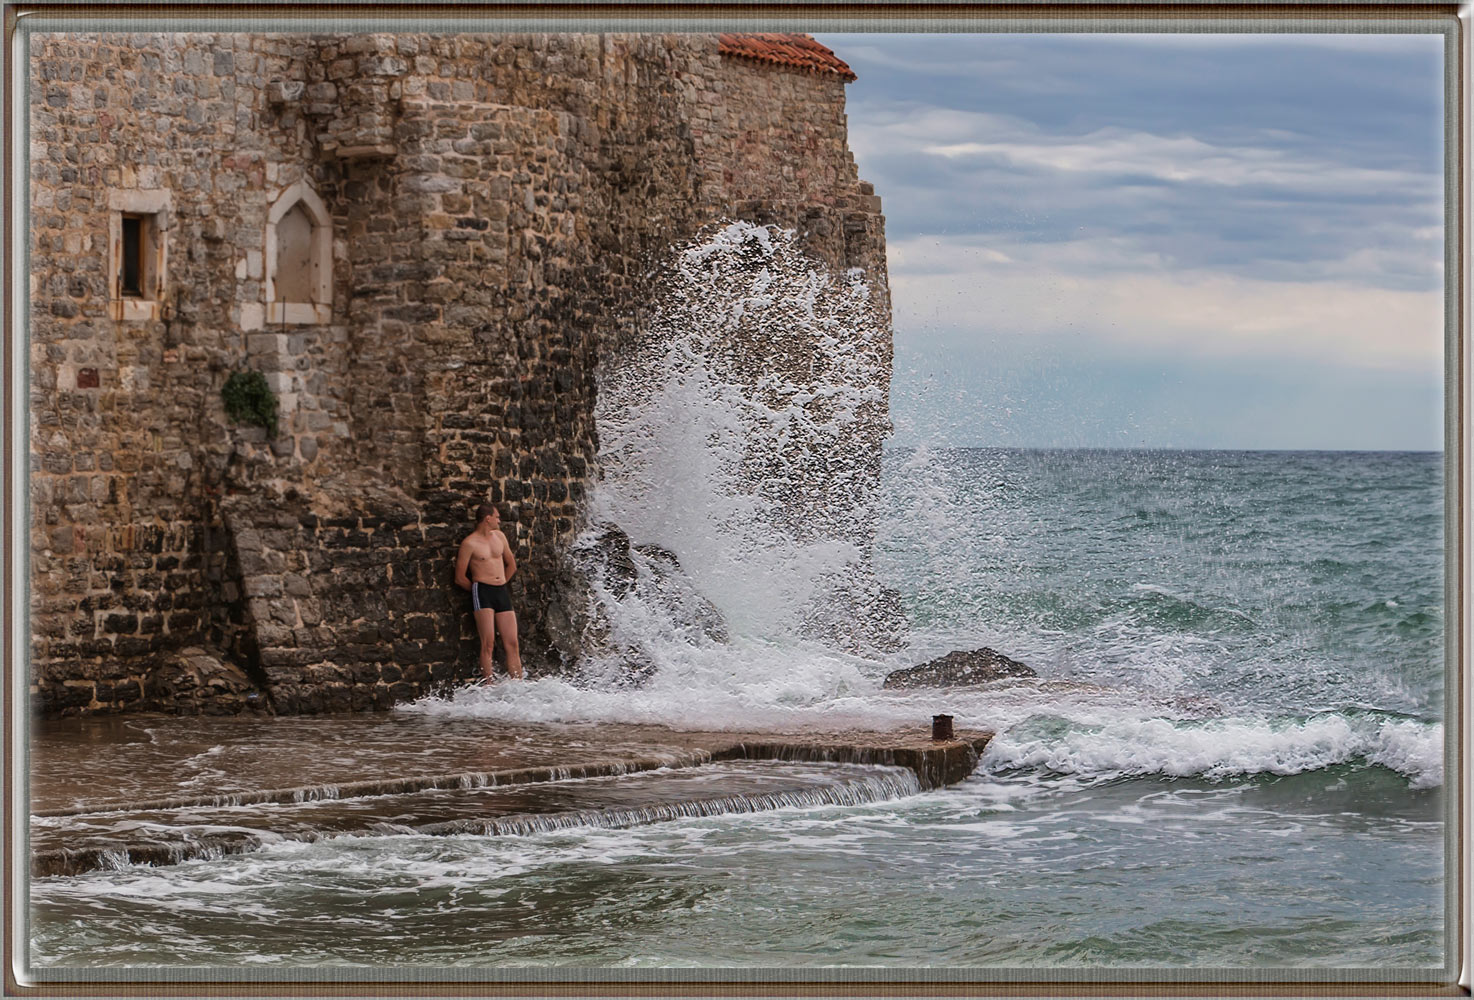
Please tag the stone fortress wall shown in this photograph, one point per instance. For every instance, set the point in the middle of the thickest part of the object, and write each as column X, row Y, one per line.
column 426, row 243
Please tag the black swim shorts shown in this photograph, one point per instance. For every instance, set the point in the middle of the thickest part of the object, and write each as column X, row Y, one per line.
column 495, row 596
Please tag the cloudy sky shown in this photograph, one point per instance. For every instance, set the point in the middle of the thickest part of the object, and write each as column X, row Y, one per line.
column 1159, row 240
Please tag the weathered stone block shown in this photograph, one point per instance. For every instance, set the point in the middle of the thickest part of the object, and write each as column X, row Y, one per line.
column 70, row 694
column 124, row 624
column 263, row 586
column 183, row 622
column 286, row 91
column 431, row 184
column 131, row 646
column 335, row 698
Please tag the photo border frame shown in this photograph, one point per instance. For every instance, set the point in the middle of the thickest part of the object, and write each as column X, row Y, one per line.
column 1452, row 21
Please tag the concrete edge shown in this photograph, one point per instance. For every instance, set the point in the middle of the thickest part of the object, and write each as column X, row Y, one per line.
column 936, row 764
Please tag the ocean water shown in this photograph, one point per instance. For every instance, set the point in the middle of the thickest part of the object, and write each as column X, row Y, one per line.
column 1232, row 755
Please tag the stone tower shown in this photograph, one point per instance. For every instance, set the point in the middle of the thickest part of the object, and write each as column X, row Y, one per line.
column 424, row 242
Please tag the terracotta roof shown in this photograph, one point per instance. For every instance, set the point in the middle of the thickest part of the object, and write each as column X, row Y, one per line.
column 791, row 50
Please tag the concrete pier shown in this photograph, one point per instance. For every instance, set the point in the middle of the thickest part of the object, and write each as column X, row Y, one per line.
column 935, row 763
column 204, row 788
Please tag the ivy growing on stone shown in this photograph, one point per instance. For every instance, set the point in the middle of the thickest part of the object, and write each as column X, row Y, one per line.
column 249, row 400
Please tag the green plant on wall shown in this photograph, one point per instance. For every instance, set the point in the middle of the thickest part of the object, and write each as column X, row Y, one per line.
column 249, row 400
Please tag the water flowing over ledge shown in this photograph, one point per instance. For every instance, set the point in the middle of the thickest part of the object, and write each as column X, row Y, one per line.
column 584, row 783
column 401, row 786
column 848, row 789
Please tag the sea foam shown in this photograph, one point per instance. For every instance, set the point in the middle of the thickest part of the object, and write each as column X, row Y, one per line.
column 1226, row 748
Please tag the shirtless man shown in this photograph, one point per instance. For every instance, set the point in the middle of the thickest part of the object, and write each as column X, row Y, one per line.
column 484, row 564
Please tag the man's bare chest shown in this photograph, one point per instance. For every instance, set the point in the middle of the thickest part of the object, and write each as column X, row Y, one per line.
column 490, row 550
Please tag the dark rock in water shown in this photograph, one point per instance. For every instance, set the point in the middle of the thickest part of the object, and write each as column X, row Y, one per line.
column 959, row 669
column 575, row 621
column 195, row 681
column 610, row 556
column 674, row 592
column 1196, row 706
column 604, row 568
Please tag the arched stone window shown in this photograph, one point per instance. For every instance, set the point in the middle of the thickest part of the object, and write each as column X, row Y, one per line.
column 299, row 258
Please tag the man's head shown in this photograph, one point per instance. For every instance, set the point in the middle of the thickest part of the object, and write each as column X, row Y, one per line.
column 487, row 510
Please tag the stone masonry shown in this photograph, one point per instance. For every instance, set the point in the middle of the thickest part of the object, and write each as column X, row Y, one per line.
column 477, row 222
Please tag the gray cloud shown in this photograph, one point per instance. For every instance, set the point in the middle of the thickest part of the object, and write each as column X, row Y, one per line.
column 1310, row 89
column 1195, row 199
column 1255, row 207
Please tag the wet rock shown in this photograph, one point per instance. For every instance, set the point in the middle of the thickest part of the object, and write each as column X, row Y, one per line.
column 603, row 569
column 609, row 558
column 1196, row 706
column 194, row 681
column 959, row 669
column 576, row 623
column 675, row 593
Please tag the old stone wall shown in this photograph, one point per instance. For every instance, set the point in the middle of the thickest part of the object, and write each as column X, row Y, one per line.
column 492, row 209
column 129, row 447
column 346, row 605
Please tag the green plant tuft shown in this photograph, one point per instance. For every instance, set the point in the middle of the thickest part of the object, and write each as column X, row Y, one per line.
column 249, row 400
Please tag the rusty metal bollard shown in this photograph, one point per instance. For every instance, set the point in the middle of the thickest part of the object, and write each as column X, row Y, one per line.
column 941, row 727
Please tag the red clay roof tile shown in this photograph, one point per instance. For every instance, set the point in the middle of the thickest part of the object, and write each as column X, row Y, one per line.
column 790, row 50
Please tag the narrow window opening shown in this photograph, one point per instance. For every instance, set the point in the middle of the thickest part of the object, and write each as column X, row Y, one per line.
column 137, row 248
column 130, row 279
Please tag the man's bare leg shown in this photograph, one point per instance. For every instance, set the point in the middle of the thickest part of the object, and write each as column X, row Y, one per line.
column 486, row 628
column 506, row 624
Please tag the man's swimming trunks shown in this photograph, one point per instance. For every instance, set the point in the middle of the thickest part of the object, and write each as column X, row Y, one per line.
column 495, row 596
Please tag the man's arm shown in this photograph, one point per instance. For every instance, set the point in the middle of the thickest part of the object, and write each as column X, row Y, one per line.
column 508, row 560
column 463, row 559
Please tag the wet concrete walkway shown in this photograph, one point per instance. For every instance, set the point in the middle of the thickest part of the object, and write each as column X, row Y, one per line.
column 157, row 789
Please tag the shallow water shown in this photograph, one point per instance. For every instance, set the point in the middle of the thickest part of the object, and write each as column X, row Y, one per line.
column 1011, row 871
column 213, row 830
column 152, row 757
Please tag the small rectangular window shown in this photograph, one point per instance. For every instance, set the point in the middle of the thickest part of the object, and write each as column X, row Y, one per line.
column 137, row 230
column 131, row 266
